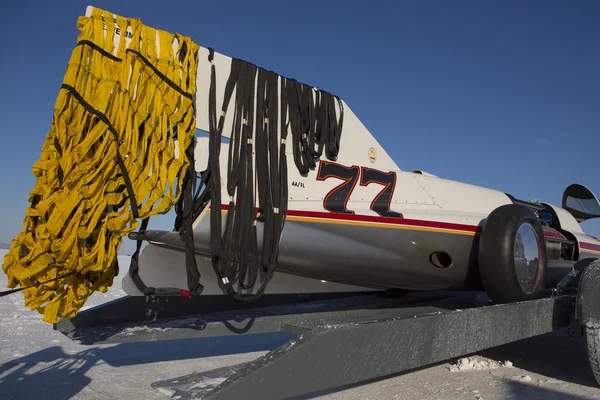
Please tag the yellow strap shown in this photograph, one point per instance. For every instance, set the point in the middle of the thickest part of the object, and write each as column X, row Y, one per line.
column 132, row 97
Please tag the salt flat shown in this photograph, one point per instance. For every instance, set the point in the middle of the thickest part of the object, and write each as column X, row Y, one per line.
column 37, row 362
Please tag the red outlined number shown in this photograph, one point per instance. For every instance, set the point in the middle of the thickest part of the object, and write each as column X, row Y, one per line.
column 337, row 198
column 381, row 203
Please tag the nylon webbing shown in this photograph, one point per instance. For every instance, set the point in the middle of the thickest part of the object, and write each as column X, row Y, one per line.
column 109, row 158
column 236, row 257
column 102, row 117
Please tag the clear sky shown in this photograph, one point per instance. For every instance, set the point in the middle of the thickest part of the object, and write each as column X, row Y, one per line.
column 503, row 94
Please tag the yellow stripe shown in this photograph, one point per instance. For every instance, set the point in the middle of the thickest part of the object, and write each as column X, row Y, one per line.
column 374, row 224
column 379, row 225
column 590, row 251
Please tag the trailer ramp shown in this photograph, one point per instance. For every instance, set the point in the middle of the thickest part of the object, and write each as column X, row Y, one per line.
column 338, row 342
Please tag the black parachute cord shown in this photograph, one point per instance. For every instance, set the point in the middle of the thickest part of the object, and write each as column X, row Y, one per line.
column 306, row 102
column 134, row 268
column 268, row 208
column 311, row 117
column 244, row 216
column 320, row 124
column 200, row 182
column 201, row 196
column 247, row 264
column 225, row 266
column 294, row 116
column 213, row 160
column 11, row 291
column 214, row 182
column 260, row 145
column 303, row 119
column 201, row 178
column 290, row 121
column 303, row 127
column 227, row 256
column 245, row 190
column 268, row 231
column 262, row 163
column 273, row 115
column 233, row 161
column 283, row 173
column 323, row 123
column 186, row 233
column 328, row 120
column 336, row 124
column 250, row 260
column 204, row 197
column 230, row 245
column 274, row 187
column 235, row 179
column 331, row 147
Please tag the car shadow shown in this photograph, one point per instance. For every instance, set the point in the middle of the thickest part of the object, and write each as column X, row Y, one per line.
column 522, row 390
column 555, row 355
column 52, row 373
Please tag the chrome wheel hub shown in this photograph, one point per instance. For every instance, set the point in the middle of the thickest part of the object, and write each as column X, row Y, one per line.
column 528, row 258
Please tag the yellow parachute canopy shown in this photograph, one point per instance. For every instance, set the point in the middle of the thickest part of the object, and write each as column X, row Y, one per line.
column 115, row 152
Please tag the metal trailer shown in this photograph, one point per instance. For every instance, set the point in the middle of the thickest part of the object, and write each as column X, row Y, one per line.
column 341, row 340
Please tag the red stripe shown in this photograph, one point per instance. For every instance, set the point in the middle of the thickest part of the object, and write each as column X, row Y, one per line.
column 385, row 220
column 553, row 234
column 377, row 219
column 590, row 246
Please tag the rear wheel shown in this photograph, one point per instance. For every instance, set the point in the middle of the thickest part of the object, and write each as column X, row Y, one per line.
column 588, row 310
column 592, row 338
column 512, row 255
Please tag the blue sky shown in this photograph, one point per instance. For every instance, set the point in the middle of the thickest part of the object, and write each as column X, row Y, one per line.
column 503, row 94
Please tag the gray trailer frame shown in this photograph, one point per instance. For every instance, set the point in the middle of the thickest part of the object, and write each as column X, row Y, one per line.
column 341, row 340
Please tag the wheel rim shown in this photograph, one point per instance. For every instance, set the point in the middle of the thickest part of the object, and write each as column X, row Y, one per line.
column 527, row 258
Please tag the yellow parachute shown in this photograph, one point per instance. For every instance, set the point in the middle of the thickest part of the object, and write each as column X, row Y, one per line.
column 123, row 119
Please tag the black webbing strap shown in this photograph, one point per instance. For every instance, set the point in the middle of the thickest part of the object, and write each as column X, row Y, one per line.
column 186, row 231
column 7, row 292
column 99, row 49
column 263, row 107
column 134, row 268
column 184, row 224
column 162, row 76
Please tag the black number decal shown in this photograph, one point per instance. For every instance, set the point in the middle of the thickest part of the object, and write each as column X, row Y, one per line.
column 337, row 198
column 381, row 203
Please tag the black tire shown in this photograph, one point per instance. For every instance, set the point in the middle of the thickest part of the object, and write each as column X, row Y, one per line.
column 504, row 280
column 580, row 267
column 588, row 310
column 592, row 338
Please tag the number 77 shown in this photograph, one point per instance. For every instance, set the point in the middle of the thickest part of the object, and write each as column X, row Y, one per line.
column 336, row 200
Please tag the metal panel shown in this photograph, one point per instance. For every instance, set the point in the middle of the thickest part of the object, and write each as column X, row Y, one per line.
column 334, row 357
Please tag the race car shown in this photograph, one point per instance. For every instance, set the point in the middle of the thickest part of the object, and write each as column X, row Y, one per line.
column 358, row 222
column 295, row 195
